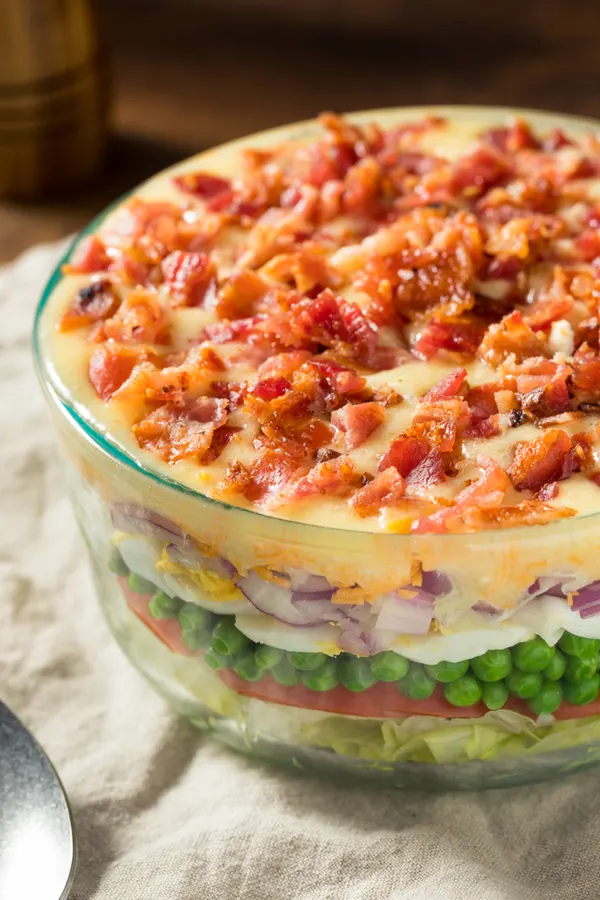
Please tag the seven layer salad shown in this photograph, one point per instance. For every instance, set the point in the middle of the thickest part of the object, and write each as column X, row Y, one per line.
column 364, row 354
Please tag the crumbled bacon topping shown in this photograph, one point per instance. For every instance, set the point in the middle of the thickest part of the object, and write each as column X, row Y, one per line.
column 277, row 308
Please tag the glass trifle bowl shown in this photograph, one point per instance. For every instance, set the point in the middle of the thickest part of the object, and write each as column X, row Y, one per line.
column 329, row 401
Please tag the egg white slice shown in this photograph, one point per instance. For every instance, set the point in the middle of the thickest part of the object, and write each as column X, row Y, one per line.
column 309, row 639
column 188, row 590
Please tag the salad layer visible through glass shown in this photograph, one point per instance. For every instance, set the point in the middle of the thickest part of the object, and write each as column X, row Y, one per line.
column 397, row 626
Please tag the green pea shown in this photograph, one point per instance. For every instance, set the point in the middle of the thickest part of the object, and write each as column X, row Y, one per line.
column 324, row 678
column 245, row 666
column 465, row 691
column 388, row 666
column 355, row 674
column 117, row 564
column 194, row 618
column 493, row 665
column 447, row 671
column 524, row 684
column 547, row 700
column 217, row 660
column 196, row 638
column 494, row 695
column 417, row 684
column 555, row 669
column 227, row 639
column 579, row 670
column 533, row 655
column 140, row 585
column 583, row 692
column 573, row 645
column 164, row 607
column 267, row 657
column 307, row 662
column 285, row 674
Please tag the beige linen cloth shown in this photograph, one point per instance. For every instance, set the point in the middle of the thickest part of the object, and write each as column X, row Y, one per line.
column 166, row 813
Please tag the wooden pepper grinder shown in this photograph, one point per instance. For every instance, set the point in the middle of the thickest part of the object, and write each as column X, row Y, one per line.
column 53, row 97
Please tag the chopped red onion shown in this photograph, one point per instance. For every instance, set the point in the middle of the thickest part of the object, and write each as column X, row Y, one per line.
column 307, row 583
column 290, row 607
column 486, row 609
column 586, row 601
column 364, row 643
column 181, row 548
column 138, row 520
column 405, row 616
column 435, row 583
column 299, row 597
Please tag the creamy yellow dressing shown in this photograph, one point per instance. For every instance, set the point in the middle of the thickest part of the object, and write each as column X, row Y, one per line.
column 500, row 564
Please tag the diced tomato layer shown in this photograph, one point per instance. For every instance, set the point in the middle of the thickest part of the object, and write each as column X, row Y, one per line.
column 166, row 630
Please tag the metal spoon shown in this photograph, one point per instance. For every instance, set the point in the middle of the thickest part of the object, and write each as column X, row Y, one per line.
column 37, row 842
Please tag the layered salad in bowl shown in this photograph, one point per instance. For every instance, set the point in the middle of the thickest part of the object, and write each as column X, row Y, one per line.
column 330, row 397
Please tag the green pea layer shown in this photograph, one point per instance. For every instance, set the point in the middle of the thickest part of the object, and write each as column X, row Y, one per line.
column 533, row 671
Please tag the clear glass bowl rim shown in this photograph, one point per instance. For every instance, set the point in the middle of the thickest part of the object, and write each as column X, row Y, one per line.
column 105, row 446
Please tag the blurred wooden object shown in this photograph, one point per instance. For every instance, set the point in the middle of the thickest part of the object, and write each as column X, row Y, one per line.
column 53, row 96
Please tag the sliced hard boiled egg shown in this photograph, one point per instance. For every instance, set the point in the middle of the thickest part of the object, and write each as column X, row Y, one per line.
column 297, row 639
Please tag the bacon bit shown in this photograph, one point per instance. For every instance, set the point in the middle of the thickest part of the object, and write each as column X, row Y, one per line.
column 175, row 434
column 550, row 399
column 587, row 332
column 478, row 172
column 386, row 489
column 588, row 245
column 427, row 473
column 94, row 302
column 510, row 337
column 111, row 365
column 238, row 297
column 529, row 512
column 461, row 337
column 237, row 480
column 556, row 140
column 282, row 365
column 221, row 438
column 448, row 386
column 548, row 491
column 270, row 388
column 140, row 318
column 554, row 304
column 187, row 277
column 547, row 458
column 511, row 139
column 229, row 390
column 387, row 396
column 406, row 452
column 334, row 477
column 485, row 493
column 269, row 475
column 502, row 269
column 358, row 421
column 585, row 381
column 216, row 191
column 340, row 379
column 483, row 409
column 89, row 256
column 595, row 477
column 441, row 422
column 305, row 270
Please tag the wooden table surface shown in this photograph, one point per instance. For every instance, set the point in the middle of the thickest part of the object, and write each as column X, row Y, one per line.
column 183, row 84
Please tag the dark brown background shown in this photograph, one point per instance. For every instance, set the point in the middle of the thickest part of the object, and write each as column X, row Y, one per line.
column 189, row 74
